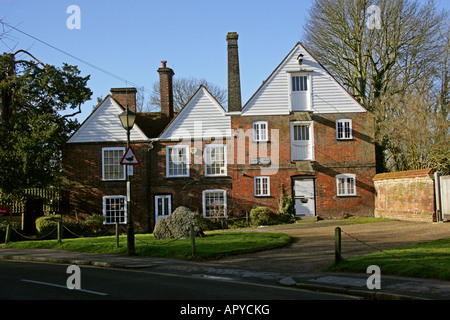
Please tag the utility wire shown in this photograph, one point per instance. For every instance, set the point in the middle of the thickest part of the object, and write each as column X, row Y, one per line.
column 74, row 57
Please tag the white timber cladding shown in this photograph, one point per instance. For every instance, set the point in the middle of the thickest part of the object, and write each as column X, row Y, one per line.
column 201, row 117
column 104, row 125
column 274, row 96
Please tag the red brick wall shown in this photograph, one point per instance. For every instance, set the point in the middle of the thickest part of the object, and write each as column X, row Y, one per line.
column 332, row 157
column 185, row 191
column 404, row 196
column 82, row 163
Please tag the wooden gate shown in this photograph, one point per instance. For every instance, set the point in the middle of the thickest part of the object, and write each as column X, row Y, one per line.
column 443, row 196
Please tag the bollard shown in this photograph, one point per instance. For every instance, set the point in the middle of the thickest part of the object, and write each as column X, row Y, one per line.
column 117, row 234
column 337, row 245
column 8, row 233
column 193, row 239
column 59, row 231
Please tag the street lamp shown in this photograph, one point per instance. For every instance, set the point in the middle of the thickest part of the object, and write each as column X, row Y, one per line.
column 127, row 118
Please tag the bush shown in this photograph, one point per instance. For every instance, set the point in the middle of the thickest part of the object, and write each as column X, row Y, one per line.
column 13, row 236
column 46, row 224
column 260, row 216
column 207, row 224
column 94, row 222
column 286, row 209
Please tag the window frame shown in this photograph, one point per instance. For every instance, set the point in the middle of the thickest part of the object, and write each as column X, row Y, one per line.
column 302, row 85
column 349, row 188
column 206, row 160
column 168, row 162
column 257, row 132
column 343, row 131
column 104, row 211
column 169, row 204
column 120, row 158
column 204, row 193
column 260, row 192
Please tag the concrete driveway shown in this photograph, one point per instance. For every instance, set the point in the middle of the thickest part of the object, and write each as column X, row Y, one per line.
column 312, row 249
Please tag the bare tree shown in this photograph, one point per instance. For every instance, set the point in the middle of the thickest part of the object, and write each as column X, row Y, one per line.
column 398, row 60
column 183, row 89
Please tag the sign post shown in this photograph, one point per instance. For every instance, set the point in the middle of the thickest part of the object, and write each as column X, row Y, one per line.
column 129, row 158
column 5, row 210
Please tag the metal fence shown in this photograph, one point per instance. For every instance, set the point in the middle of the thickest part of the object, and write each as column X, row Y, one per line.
column 52, row 200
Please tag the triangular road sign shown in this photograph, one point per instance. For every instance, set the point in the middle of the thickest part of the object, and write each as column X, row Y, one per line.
column 130, row 158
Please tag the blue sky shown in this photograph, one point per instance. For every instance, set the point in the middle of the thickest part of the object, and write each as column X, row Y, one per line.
column 130, row 38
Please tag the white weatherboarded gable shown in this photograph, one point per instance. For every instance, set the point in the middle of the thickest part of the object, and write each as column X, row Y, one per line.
column 274, row 96
column 201, row 117
column 104, row 125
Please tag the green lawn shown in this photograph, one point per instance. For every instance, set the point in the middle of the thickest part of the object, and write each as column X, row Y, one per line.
column 214, row 244
column 430, row 259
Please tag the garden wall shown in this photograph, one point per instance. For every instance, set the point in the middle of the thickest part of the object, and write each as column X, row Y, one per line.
column 405, row 195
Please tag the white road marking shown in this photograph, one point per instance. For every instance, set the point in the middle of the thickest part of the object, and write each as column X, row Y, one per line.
column 64, row 287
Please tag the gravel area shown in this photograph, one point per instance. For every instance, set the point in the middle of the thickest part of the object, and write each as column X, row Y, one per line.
column 312, row 248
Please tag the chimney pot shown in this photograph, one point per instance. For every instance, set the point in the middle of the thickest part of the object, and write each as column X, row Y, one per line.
column 163, row 64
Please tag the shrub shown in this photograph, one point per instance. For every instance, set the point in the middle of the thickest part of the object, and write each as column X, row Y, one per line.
column 211, row 223
column 260, row 216
column 46, row 224
column 94, row 222
column 13, row 235
column 286, row 209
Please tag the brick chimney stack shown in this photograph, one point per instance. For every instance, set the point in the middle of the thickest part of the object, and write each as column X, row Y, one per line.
column 166, row 90
column 234, row 80
column 125, row 96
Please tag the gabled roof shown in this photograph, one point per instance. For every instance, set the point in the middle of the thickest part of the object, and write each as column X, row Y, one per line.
column 273, row 96
column 201, row 117
column 103, row 125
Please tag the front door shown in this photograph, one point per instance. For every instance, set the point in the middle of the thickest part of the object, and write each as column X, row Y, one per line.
column 304, row 199
column 163, row 206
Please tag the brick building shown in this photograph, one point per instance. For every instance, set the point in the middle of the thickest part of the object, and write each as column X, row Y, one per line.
column 300, row 134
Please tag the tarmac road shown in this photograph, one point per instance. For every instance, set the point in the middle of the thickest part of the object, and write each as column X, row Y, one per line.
column 302, row 263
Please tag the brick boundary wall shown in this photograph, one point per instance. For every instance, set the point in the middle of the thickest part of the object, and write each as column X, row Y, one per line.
column 405, row 195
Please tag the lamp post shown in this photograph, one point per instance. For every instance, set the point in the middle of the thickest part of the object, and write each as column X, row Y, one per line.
column 127, row 118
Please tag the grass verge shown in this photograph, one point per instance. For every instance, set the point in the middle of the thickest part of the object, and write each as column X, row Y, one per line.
column 430, row 259
column 214, row 244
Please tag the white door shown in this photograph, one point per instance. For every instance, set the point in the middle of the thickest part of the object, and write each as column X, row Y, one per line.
column 304, row 204
column 301, row 141
column 163, row 206
column 300, row 93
